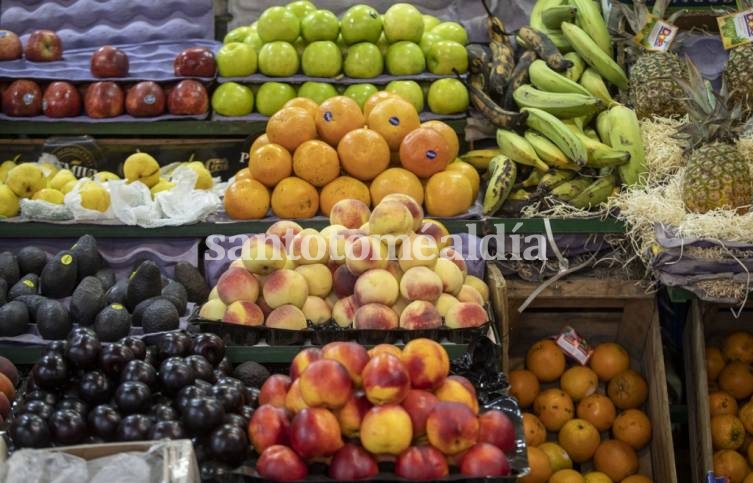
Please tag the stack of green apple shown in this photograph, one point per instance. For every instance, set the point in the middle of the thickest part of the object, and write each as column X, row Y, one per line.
column 299, row 38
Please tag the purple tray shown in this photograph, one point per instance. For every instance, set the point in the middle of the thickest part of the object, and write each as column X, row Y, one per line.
column 121, row 118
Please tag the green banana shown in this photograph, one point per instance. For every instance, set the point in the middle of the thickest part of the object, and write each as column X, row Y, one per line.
column 552, row 17
column 599, row 154
column 591, row 133
column 549, row 152
column 516, row 201
column 558, row 133
column 570, row 189
column 536, row 22
column 574, row 72
column 602, row 126
column 532, row 180
column 515, row 147
column 625, row 135
column 595, row 194
column 560, row 104
column 594, row 56
column 480, row 158
column 503, row 176
column 595, row 84
column 554, row 178
column 546, row 79
column 588, row 17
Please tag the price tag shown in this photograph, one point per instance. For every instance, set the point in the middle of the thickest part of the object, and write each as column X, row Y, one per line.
column 736, row 28
column 657, row 35
column 574, row 345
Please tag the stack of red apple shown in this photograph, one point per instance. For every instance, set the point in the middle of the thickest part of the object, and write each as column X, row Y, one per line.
column 352, row 408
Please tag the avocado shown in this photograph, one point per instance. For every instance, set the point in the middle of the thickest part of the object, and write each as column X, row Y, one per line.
column 251, row 373
column 117, row 293
column 145, row 282
column 31, row 260
column 3, row 291
column 59, row 276
column 193, row 281
column 112, row 323
column 164, row 281
column 87, row 256
column 176, row 293
column 138, row 312
column 32, row 302
column 160, row 316
column 87, row 300
column 53, row 320
column 14, row 319
column 27, row 285
column 107, row 277
column 9, row 268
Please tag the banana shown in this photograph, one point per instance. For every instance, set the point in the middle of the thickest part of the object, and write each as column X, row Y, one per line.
column 591, row 133
column 536, row 22
column 588, row 17
column 518, row 78
column 545, row 79
column 503, row 176
column 479, row 58
column 599, row 154
column 564, row 105
column 501, row 118
column 594, row 56
column 558, row 133
column 593, row 83
column 574, row 72
column 532, row 180
column 495, row 27
column 549, row 152
column 554, row 178
column 595, row 194
column 516, row 201
column 502, row 66
column 602, row 126
column 544, row 48
column 480, row 158
column 570, row 189
column 625, row 135
column 552, row 17
column 515, row 147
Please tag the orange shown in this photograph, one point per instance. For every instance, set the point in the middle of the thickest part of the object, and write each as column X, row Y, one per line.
column 632, row 427
column 469, row 172
column 523, row 386
column 290, row 127
column 270, row 164
column 364, row 154
column 579, row 382
column 597, row 477
column 580, row 439
column 336, row 117
column 294, row 198
column 637, row 479
column 738, row 346
column 393, row 119
column 541, row 471
column 558, row 457
column 750, row 453
column 343, row 188
column 258, row 142
column 244, row 173
column 316, row 162
column 746, row 416
column 375, row 99
column 737, row 379
column 714, row 363
column 598, row 410
column 304, row 103
column 721, row 402
column 448, row 133
column 554, row 408
column 727, row 432
column 424, row 152
column 567, row 476
column 628, row 390
column 448, row 193
column 246, row 199
column 749, row 478
column 608, row 360
column 396, row 180
column 533, row 430
column 616, row 459
column 546, row 360
column 730, row 464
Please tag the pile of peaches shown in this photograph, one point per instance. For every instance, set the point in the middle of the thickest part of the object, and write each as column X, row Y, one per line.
column 352, row 409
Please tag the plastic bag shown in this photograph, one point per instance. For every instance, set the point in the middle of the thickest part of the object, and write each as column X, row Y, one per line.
column 72, row 201
column 183, row 204
column 40, row 210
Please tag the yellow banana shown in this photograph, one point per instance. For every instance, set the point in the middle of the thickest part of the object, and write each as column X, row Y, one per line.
column 515, row 147
column 560, row 104
column 595, row 194
column 552, row 17
column 570, row 189
column 594, row 84
column 558, row 133
column 554, row 178
column 547, row 79
column 625, row 135
column 594, row 56
column 588, row 17
column 576, row 70
column 602, row 126
column 549, row 152
column 479, row 158
column 503, row 176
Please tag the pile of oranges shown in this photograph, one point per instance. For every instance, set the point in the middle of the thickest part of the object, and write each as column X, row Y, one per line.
column 576, row 405
column 312, row 156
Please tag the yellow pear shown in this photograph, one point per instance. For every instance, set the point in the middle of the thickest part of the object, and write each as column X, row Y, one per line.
column 26, row 179
column 94, row 197
column 141, row 167
column 204, row 177
column 60, row 179
column 4, row 168
column 162, row 185
column 9, row 205
column 49, row 195
column 49, row 170
column 67, row 187
column 103, row 176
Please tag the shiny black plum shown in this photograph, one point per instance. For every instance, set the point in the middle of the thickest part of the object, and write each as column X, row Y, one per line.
column 164, row 412
column 252, row 396
column 225, row 366
column 40, row 408
column 51, row 371
column 167, row 429
column 30, row 431
column 137, row 370
column 83, row 348
column 103, row 422
column 94, row 388
column 247, row 412
column 67, row 427
column 114, row 358
column 188, row 393
column 228, row 444
column 133, row 397
column 174, row 344
column 137, row 346
column 210, row 346
column 235, row 420
column 73, row 404
column 174, row 374
column 231, row 397
column 41, row 395
column 202, row 415
column 201, row 368
column 135, row 427
column 59, row 346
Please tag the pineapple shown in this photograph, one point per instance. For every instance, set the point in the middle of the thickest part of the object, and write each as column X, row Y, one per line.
column 739, row 76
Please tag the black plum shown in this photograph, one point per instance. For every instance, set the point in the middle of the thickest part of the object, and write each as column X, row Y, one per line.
column 94, row 388
column 83, row 348
column 114, row 358
column 231, row 397
column 40, row 408
column 73, row 404
column 133, row 397
column 202, row 368
column 41, row 395
column 210, row 346
column 51, row 371
column 235, row 420
column 174, row 374
column 30, row 431
column 67, row 426
column 188, row 393
column 174, row 344
column 164, row 412
column 137, row 370
column 228, row 444
column 247, row 412
column 167, row 429
column 135, row 427
column 137, row 346
column 201, row 415
column 103, row 422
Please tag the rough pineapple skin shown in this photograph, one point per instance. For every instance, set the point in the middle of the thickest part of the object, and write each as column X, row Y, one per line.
column 717, row 176
column 739, row 76
column 653, row 89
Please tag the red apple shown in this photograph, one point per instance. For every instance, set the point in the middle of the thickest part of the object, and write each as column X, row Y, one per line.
column 188, row 97
column 280, row 463
column 22, row 98
column 497, row 429
column 109, row 61
column 103, row 99
column 10, row 46
column 61, row 99
column 145, row 99
column 195, row 62
column 352, row 462
column 44, row 46
column 484, row 459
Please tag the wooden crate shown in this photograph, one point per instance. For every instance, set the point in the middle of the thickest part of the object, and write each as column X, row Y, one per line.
column 600, row 310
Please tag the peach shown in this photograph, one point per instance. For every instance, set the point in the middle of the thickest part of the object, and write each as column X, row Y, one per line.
column 444, row 302
column 352, row 463
column 331, row 299
column 421, row 463
column 481, row 287
column 213, row 309
column 496, row 428
column 386, row 380
column 385, row 349
column 386, row 429
column 338, row 243
column 285, row 287
column 390, row 218
column 436, row 230
column 418, row 251
column 363, row 253
column 265, row 308
column 344, row 281
column 352, row 356
column 268, row 426
column 464, row 315
column 318, row 278
column 263, row 254
column 308, row 247
column 316, row 310
column 237, row 284
column 470, row 295
column 289, row 264
column 244, row 313
column 458, row 389
column 451, row 276
column 351, row 415
column 274, row 390
column 375, row 317
column 285, row 230
column 280, row 463
column 330, row 231
column 484, row 459
column 451, row 427
column 326, row 383
column 449, row 253
column 420, row 315
column 420, row 283
column 262, row 279
column 302, row 360
column 287, row 317
column 213, row 294
column 393, row 266
column 344, row 311
column 315, row 432
column 427, row 362
column 415, row 209
column 400, row 305
column 238, row 263
column 376, row 286
column 419, row 404
column 350, row 213
column 293, row 399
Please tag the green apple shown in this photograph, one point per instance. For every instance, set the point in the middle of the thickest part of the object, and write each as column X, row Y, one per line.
column 405, row 58
column 361, row 23
column 322, row 58
column 300, row 46
column 254, row 27
column 237, row 34
column 271, row 96
column 363, row 61
column 403, row 21
column 408, row 90
column 236, row 59
column 317, row 91
column 232, row 99
column 254, row 41
column 360, row 92
column 383, row 44
column 341, row 43
column 300, row 8
column 278, row 59
column 278, row 23
column 427, row 40
column 446, row 56
column 447, row 96
column 320, row 25
column 451, row 31
column 430, row 21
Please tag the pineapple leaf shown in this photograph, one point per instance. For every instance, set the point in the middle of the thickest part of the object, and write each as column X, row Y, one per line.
column 660, row 8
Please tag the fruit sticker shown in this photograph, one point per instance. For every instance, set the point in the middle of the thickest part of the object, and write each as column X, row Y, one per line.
column 574, row 345
column 736, row 28
column 66, row 259
column 28, row 283
column 657, row 35
column 116, row 307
